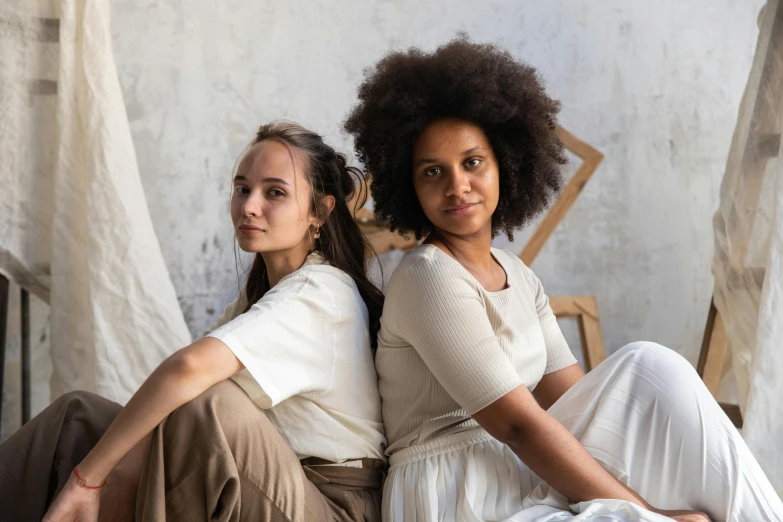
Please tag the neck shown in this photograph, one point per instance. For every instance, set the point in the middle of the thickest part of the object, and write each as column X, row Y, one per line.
column 283, row 262
column 471, row 251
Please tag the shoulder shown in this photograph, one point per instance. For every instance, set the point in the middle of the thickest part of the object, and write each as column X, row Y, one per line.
column 514, row 266
column 510, row 260
column 318, row 284
column 427, row 270
column 322, row 275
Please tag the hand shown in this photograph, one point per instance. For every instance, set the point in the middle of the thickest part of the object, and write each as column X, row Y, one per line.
column 684, row 515
column 74, row 504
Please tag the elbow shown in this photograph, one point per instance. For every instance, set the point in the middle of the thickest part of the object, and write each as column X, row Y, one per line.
column 183, row 364
column 188, row 372
column 514, row 419
column 511, row 433
column 514, row 427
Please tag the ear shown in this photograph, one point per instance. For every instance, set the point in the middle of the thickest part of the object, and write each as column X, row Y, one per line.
column 328, row 205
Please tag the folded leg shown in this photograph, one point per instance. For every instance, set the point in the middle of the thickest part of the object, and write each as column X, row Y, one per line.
column 220, row 458
column 36, row 461
column 645, row 415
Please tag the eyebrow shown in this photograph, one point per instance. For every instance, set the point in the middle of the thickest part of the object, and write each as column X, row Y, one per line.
column 263, row 180
column 468, row 152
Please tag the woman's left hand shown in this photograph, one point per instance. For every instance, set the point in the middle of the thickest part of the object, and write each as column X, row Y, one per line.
column 74, row 504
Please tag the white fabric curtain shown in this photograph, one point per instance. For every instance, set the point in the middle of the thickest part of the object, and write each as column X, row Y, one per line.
column 74, row 224
column 748, row 262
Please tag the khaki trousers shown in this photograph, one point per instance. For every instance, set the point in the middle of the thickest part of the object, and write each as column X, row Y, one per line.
column 217, row 457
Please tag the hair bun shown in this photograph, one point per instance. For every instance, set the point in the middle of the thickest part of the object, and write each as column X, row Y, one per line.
column 349, row 176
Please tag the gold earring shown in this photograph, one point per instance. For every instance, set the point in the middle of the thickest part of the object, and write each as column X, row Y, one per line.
column 317, row 232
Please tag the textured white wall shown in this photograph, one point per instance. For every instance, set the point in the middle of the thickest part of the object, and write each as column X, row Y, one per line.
column 654, row 85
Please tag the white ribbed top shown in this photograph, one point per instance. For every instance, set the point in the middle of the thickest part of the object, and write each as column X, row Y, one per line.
column 448, row 348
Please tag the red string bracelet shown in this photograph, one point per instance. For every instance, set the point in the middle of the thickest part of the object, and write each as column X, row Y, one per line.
column 82, row 483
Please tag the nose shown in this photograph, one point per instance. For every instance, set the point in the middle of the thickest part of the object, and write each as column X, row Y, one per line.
column 457, row 182
column 252, row 205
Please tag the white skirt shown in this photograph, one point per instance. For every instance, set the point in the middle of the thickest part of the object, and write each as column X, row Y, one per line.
column 643, row 414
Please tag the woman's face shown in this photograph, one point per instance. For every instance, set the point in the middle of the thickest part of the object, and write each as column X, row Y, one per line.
column 270, row 203
column 455, row 175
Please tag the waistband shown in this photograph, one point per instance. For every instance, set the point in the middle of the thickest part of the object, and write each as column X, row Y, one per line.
column 438, row 446
column 356, row 463
column 370, row 474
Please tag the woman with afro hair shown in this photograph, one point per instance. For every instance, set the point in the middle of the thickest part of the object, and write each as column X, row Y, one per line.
column 487, row 414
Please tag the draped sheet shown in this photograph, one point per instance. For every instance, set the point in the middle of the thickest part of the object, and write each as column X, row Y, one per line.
column 748, row 261
column 74, row 224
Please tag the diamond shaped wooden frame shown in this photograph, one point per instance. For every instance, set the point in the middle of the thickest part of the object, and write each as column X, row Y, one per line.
column 591, row 159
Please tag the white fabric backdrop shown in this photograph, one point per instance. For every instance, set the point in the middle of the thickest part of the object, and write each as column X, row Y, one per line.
column 748, row 263
column 75, row 226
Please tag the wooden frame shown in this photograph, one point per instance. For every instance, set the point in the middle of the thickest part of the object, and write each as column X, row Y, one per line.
column 585, row 310
column 381, row 238
column 591, row 158
column 713, row 351
column 711, row 357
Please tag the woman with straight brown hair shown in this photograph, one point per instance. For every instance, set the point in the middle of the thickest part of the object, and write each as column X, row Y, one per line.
column 274, row 415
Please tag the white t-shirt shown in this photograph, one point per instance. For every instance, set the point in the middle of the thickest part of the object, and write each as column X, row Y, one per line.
column 306, row 349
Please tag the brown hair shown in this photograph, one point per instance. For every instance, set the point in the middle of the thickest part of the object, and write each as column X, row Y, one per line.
column 341, row 241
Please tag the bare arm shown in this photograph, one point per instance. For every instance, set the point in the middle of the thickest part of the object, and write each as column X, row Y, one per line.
column 180, row 378
column 555, row 384
column 540, row 441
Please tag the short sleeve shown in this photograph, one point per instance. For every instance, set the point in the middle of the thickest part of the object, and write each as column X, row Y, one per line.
column 286, row 339
column 440, row 312
column 558, row 354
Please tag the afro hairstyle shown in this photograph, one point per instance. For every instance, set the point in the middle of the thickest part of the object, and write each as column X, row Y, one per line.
column 481, row 83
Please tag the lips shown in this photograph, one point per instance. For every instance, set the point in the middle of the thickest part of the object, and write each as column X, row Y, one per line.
column 464, row 208
column 250, row 229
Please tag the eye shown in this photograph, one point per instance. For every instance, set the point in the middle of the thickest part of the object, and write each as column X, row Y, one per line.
column 276, row 193
column 241, row 189
column 434, row 171
column 473, row 162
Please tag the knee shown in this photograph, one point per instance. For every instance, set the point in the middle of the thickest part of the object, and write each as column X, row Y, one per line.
column 210, row 401
column 663, row 361
column 225, row 407
column 87, row 413
column 78, row 400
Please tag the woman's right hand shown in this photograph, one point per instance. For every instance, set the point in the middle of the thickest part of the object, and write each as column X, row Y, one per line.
column 684, row 515
column 74, row 504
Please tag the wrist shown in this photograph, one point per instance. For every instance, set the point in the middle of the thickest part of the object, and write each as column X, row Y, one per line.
column 88, row 477
column 637, row 498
